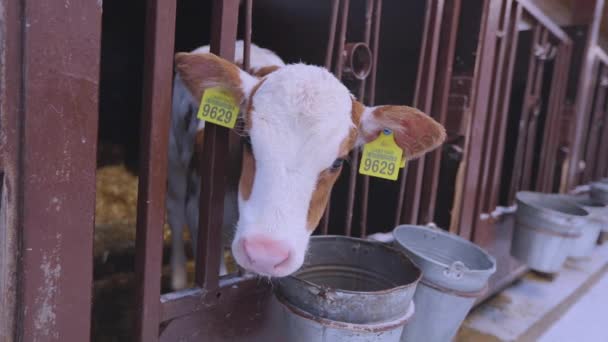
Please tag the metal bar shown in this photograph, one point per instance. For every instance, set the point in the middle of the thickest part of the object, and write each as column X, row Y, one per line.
column 530, row 144
column 582, row 105
column 342, row 39
column 504, row 40
column 11, row 205
column 502, row 98
column 214, row 162
column 247, row 38
column 190, row 301
column 338, row 73
column 479, row 111
column 557, row 97
column 544, row 20
column 448, row 35
column 160, row 32
column 424, row 100
column 593, row 132
column 371, row 100
column 52, row 169
column 354, row 155
column 523, row 126
column 602, row 152
column 332, row 33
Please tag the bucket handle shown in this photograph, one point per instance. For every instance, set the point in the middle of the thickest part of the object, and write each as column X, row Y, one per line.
column 456, row 270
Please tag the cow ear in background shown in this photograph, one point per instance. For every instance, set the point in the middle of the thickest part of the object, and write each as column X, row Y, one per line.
column 200, row 71
column 415, row 132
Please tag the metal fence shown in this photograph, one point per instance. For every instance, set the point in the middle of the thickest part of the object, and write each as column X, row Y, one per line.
column 493, row 72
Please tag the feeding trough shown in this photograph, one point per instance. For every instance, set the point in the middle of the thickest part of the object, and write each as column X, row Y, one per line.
column 546, row 228
column 348, row 290
column 455, row 274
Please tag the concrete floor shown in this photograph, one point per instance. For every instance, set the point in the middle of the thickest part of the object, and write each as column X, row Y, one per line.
column 572, row 306
column 586, row 320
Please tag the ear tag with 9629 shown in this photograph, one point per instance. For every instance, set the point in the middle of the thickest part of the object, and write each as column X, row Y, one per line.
column 382, row 157
column 218, row 107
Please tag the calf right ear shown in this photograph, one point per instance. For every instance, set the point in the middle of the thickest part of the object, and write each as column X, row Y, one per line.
column 415, row 132
column 200, row 71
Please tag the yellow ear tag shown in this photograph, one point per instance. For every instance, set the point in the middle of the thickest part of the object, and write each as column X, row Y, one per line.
column 218, row 107
column 382, row 157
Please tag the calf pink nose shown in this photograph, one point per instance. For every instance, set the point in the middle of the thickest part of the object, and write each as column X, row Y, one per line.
column 265, row 253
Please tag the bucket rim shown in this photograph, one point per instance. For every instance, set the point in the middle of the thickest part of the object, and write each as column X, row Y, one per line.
column 392, row 249
column 534, row 200
column 445, row 234
column 376, row 327
column 586, row 202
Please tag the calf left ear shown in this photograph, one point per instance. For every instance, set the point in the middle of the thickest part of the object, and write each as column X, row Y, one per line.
column 200, row 71
column 415, row 132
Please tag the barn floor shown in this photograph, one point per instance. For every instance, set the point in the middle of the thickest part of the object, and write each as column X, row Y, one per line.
column 571, row 306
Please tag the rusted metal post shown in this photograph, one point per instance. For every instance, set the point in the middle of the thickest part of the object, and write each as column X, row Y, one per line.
column 158, row 73
column 583, row 99
column 445, row 59
column 214, row 162
column 53, row 109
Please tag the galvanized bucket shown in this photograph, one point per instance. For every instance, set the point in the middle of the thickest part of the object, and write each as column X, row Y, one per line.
column 296, row 325
column 348, row 287
column 455, row 273
column 598, row 221
column 545, row 230
column 599, row 192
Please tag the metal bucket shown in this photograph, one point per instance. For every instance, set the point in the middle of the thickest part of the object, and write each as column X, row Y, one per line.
column 597, row 221
column 348, row 287
column 296, row 325
column 599, row 192
column 545, row 230
column 455, row 273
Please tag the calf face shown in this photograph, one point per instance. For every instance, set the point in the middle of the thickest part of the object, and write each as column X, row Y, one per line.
column 301, row 123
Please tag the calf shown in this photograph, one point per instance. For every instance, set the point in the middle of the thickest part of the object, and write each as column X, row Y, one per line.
column 301, row 122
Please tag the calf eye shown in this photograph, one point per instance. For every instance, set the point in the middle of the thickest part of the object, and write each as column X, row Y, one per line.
column 337, row 164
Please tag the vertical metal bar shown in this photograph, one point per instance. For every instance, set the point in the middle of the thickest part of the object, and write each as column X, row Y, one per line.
column 338, row 73
column 53, row 170
column 11, row 109
column 502, row 97
column 523, row 126
column 593, row 131
column 583, row 102
column 342, row 39
column 371, row 100
column 214, row 162
column 423, row 100
column 332, row 33
column 550, row 142
column 504, row 41
column 354, row 155
column 403, row 177
column 160, row 32
column 445, row 58
column 536, row 111
column 247, row 38
column 602, row 152
column 466, row 217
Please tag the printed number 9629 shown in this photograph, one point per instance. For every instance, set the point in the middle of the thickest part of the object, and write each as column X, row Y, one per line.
column 217, row 113
column 379, row 166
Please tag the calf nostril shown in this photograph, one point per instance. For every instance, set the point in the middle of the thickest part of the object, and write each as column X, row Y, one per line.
column 264, row 252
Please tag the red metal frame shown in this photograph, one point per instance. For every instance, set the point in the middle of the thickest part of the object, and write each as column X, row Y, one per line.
column 50, row 143
column 48, row 163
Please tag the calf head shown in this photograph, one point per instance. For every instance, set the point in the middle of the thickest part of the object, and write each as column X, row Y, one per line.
column 301, row 123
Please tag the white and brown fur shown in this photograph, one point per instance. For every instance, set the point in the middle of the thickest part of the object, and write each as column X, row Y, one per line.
column 301, row 122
